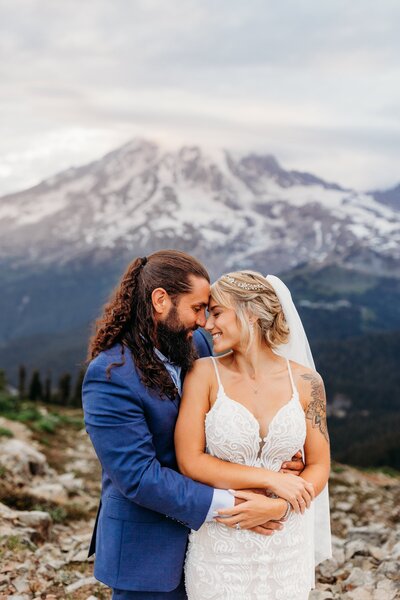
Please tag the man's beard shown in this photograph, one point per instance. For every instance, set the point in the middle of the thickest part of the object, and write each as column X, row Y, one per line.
column 173, row 341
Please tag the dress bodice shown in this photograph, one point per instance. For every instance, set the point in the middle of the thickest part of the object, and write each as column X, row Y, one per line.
column 233, row 432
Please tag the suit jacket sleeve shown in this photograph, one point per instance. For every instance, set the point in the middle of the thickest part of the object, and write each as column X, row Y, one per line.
column 116, row 423
column 201, row 343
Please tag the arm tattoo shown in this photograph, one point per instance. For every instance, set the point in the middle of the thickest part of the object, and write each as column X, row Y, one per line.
column 316, row 410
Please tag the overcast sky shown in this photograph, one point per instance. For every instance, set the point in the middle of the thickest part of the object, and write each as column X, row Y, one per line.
column 317, row 83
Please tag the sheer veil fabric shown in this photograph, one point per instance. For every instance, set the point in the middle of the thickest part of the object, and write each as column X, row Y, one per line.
column 298, row 350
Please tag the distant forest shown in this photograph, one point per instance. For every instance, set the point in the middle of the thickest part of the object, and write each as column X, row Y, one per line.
column 365, row 371
column 42, row 389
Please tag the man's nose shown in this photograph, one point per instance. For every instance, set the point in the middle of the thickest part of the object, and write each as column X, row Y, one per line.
column 201, row 319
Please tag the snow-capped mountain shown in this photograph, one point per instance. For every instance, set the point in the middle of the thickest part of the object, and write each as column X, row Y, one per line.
column 229, row 210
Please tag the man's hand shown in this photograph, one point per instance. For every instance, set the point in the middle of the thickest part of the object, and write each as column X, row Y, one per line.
column 268, row 528
column 295, row 466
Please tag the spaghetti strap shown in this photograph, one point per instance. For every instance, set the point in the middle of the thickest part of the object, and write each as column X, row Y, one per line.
column 294, row 389
column 217, row 372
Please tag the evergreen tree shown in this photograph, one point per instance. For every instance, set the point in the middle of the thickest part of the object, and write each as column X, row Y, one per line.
column 47, row 389
column 77, row 395
column 64, row 389
column 3, row 381
column 35, row 388
column 21, row 382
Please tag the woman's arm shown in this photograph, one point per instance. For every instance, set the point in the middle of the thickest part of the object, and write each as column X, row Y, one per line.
column 195, row 463
column 316, row 448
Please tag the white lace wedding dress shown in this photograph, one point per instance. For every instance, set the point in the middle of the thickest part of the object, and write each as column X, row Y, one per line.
column 225, row 564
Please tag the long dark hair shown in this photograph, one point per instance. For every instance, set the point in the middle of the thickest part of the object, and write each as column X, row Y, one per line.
column 128, row 316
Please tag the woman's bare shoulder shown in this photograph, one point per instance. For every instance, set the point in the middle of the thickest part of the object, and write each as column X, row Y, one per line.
column 202, row 367
column 300, row 370
column 308, row 382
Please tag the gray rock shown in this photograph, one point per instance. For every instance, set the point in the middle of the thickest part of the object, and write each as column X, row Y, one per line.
column 343, row 573
column 81, row 556
column 395, row 553
column 358, row 579
column 386, row 590
column 39, row 520
column 390, row 569
column 378, row 553
column 72, row 484
column 21, row 585
column 327, row 570
column 320, row 595
column 356, row 546
column 359, row 594
column 80, row 583
column 344, row 506
column 22, row 459
column 54, row 492
column 373, row 534
column 34, row 521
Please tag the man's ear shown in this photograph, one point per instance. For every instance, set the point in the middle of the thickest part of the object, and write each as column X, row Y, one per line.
column 161, row 301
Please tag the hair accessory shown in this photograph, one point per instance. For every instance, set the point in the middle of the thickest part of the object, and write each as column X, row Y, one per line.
column 144, row 260
column 254, row 287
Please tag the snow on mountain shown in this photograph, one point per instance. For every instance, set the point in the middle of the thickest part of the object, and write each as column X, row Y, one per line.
column 227, row 209
column 390, row 197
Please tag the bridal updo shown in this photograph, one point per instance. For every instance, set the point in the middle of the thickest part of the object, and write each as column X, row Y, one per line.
column 251, row 295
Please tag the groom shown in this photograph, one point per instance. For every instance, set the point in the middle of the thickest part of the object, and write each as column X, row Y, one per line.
column 145, row 342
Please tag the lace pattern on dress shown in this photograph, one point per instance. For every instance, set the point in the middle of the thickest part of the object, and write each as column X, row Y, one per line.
column 226, row 564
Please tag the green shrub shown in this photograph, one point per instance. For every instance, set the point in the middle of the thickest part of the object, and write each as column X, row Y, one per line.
column 76, row 422
column 26, row 414
column 7, row 404
column 58, row 514
column 4, row 432
column 47, row 423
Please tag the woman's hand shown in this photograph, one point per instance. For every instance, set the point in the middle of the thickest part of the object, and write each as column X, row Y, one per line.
column 253, row 512
column 296, row 490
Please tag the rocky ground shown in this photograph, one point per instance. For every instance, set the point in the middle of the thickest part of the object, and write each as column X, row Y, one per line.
column 48, row 499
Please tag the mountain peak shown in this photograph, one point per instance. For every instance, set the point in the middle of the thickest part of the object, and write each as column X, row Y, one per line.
column 228, row 209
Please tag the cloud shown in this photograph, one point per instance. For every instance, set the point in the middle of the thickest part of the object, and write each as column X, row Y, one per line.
column 315, row 83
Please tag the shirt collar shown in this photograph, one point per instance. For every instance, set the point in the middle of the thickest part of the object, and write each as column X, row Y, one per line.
column 161, row 356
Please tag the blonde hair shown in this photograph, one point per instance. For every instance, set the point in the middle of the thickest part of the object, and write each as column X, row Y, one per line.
column 250, row 294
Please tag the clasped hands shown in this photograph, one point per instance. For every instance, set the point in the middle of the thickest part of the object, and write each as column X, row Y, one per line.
column 252, row 506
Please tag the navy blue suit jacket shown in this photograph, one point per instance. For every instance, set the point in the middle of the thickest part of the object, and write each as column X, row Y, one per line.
column 147, row 507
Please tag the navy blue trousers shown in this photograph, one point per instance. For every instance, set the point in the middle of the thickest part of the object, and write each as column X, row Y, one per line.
column 178, row 594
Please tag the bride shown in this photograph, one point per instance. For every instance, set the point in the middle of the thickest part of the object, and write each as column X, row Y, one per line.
column 242, row 415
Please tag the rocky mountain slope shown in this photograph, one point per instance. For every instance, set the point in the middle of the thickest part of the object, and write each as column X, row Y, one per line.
column 49, row 493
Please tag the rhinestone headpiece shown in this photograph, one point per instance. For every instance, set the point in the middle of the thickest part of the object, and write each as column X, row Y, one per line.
column 253, row 287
